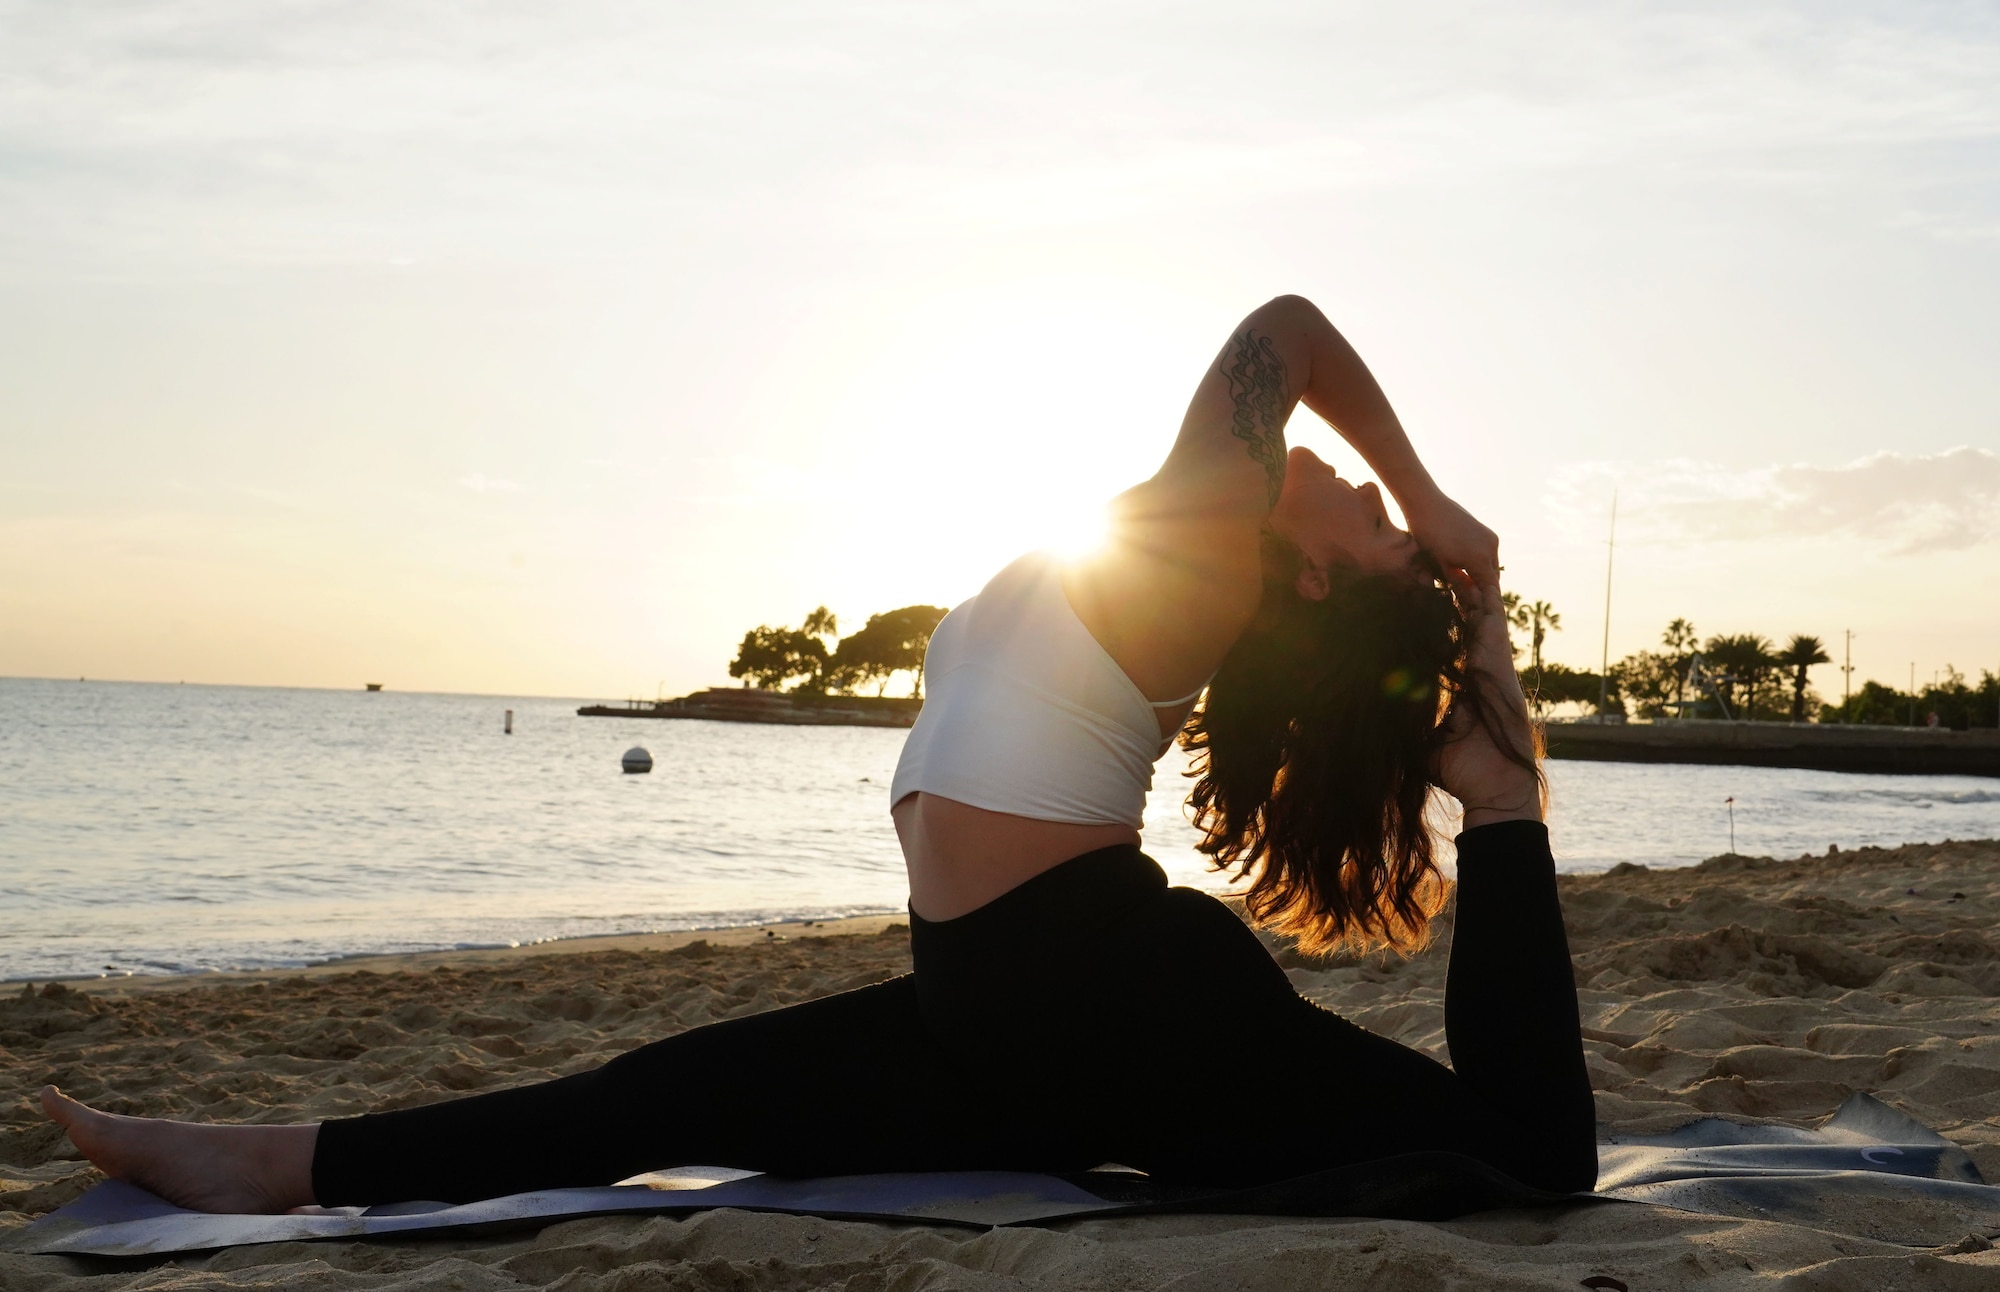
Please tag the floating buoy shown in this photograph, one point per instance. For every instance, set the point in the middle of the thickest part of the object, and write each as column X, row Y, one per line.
column 637, row 759
column 509, row 728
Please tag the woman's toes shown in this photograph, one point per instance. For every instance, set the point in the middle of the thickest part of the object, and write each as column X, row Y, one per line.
column 84, row 1125
column 61, row 1109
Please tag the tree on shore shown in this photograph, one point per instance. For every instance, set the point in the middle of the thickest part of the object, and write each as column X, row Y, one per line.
column 889, row 643
column 770, row 657
column 1799, row 655
column 1958, row 704
column 1679, row 639
column 1537, row 620
column 1540, row 619
column 1739, row 665
column 1874, row 705
column 1560, row 684
column 1650, row 680
column 1656, row 681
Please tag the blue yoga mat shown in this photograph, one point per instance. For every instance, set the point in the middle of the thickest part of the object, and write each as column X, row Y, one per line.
column 1868, row 1171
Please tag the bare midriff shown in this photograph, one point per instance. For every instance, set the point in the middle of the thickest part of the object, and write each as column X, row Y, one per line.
column 962, row 857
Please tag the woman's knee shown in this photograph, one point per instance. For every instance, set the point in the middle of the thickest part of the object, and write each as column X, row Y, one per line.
column 1559, row 1159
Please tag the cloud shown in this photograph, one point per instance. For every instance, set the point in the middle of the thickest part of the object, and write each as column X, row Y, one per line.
column 1910, row 503
column 313, row 132
column 479, row 483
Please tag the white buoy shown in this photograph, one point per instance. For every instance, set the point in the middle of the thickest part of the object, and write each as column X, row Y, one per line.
column 637, row 759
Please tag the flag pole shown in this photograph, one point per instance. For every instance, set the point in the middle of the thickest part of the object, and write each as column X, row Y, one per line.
column 1604, row 661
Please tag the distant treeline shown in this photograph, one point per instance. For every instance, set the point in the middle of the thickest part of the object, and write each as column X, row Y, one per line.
column 1739, row 676
column 889, row 643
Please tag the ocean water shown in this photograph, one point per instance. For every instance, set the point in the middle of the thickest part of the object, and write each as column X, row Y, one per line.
column 150, row 828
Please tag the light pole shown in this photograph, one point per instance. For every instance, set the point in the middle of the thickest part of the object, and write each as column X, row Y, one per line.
column 1913, row 693
column 1604, row 662
column 1846, row 676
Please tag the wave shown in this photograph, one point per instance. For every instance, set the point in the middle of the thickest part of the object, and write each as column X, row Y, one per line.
column 1912, row 798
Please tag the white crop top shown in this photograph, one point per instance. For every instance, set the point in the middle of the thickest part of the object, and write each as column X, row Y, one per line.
column 1027, row 714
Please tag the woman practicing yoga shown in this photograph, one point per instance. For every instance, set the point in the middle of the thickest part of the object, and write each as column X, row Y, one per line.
column 1067, row 1007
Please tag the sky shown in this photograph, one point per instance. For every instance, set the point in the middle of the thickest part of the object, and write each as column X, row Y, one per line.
column 536, row 349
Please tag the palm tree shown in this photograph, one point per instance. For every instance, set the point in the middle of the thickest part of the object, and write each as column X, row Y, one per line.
column 1680, row 641
column 1541, row 619
column 1801, row 654
column 1743, row 660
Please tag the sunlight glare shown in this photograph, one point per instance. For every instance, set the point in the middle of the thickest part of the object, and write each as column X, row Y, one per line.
column 1075, row 532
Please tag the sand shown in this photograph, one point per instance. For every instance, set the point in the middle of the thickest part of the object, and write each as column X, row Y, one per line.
column 1753, row 988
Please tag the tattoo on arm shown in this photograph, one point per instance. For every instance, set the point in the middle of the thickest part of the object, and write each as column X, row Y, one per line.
column 1257, row 388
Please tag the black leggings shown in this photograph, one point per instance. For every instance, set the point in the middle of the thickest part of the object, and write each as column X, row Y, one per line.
column 1091, row 1015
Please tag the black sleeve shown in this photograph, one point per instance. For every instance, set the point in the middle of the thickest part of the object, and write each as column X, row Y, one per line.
column 1510, row 1005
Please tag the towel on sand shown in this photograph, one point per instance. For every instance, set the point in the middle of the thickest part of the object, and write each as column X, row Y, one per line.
column 1868, row 1170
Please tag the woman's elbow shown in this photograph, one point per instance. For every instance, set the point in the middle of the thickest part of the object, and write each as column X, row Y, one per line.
column 1288, row 306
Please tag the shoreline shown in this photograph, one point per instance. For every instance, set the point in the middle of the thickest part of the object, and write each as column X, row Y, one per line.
column 779, row 932
column 729, row 935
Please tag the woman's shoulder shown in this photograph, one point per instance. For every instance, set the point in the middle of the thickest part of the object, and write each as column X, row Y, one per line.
column 1168, row 593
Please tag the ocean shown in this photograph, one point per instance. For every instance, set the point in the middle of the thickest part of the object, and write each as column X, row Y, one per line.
column 149, row 828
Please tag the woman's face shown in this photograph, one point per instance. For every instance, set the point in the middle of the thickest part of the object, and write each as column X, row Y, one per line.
column 1335, row 523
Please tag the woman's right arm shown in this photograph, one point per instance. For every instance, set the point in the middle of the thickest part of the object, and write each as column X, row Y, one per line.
column 1284, row 353
column 1182, row 576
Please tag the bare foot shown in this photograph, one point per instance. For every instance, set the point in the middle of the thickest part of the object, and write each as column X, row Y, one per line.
column 258, row 1169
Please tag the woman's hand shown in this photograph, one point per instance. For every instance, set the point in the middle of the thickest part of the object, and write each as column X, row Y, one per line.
column 1474, row 767
column 1451, row 534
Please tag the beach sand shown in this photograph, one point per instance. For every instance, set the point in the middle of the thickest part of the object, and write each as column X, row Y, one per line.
column 1750, row 988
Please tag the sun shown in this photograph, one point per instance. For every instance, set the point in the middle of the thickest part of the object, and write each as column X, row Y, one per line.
column 1075, row 532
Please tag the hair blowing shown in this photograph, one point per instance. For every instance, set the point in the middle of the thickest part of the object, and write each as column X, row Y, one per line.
column 1314, row 749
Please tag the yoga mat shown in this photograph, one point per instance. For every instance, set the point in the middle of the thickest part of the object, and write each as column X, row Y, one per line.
column 1868, row 1170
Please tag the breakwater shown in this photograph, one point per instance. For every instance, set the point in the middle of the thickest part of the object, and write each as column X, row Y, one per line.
column 786, row 708
column 1827, row 747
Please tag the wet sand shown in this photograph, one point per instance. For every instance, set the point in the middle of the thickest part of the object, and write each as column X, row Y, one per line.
column 1765, row 990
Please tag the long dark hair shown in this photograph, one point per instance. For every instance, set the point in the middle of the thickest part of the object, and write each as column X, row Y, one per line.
column 1314, row 749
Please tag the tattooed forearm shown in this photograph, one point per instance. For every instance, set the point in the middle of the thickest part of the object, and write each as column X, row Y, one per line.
column 1257, row 388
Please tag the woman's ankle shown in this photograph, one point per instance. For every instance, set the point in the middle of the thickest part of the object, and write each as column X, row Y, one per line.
column 287, row 1153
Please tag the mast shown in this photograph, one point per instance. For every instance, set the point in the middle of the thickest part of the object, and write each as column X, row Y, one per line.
column 1604, row 662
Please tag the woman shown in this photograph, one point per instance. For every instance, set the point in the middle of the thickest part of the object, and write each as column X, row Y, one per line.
column 1068, row 1008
